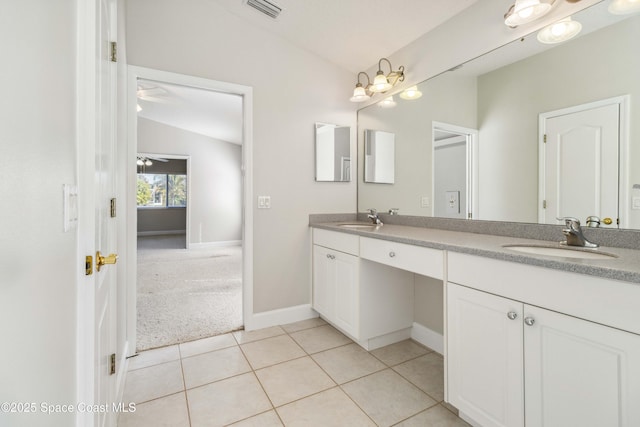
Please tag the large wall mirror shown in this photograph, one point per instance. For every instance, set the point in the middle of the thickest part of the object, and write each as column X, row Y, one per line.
column 333, row 153
column 502, row 104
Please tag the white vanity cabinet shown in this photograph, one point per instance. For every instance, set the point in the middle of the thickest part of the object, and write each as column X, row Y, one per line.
column 511, row 363
column 370, row 302
column 335, row 287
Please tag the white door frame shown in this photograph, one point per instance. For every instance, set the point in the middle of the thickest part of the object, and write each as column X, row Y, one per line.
column 623, row 103
column 471, row 136
column 130, row 147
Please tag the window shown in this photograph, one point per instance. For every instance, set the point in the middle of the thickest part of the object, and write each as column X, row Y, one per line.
column 162, row 190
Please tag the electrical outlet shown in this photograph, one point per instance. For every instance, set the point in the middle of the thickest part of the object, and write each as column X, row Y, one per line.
column 425, row 202
column 635, row 203
column 264, row 202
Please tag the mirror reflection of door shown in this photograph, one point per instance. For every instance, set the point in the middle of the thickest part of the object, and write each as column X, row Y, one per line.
column 453, row 172
column 580, row 164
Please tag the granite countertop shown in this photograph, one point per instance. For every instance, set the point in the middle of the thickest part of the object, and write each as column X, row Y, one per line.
column 625, row 266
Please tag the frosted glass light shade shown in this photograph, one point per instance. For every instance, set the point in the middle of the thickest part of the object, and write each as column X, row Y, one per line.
column 411, row 93
column 525, row 11
column 359, row 94
column 560, row 31
column 387, row 103
column 624, row 7
column 380, row 83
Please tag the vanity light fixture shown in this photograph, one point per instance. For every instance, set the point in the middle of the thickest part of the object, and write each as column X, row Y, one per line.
column 559, row 31
column 525, row 11
column 381, row 83
column 624, row 7
column 411, row 93
column 361, row 93
column 388, row 102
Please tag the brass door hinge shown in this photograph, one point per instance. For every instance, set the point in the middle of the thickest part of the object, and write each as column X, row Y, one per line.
column 544, row 204
column 88, row 265
column 112, row 369
column 112, row 209
column 544, row 138
column 114, row 52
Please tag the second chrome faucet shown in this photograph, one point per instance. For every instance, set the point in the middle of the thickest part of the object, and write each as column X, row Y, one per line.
column 574, row 234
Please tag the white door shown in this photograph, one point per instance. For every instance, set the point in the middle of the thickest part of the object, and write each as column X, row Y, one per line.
column 324, row 273
column 346, row 288
column 105, row 225
column 579, row 373
column 581, row 165
column 484, row 359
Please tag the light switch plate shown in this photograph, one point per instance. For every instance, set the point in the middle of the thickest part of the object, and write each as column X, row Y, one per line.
column 452, row 202
column 264, row 202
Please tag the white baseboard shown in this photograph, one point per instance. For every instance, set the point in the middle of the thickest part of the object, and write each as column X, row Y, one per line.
column 160, row 233
column 428, row 337
column 222, row 244
column 279, row 317
column 387, row 339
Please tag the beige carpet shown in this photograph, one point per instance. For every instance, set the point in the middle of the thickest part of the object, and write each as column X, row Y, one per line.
column 185, row 295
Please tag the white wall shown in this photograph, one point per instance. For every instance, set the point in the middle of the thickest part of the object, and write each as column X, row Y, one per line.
column 215, row 179
column 38, row 261
column 292, row 90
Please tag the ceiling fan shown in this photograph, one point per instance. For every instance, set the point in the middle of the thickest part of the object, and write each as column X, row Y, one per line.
column 148, row 160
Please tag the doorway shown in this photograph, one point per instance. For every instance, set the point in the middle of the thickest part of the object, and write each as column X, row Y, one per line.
column 455, row 182
column 170, row 118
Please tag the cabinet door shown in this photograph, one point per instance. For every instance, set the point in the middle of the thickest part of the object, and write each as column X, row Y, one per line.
column 579, row 373
column 324, row 281
column 485, row 356
column 346, row 293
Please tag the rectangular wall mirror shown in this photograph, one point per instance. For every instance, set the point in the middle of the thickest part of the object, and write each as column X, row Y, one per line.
column 379, row 156
column 333, row 153
column 509, row 99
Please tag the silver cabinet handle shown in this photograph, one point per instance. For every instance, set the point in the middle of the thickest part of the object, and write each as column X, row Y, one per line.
column 512, row 315
column 529, row 321
column 392, row 254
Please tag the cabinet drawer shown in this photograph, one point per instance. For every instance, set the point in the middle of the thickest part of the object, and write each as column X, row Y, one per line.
column 342, row 242
column 417, row 259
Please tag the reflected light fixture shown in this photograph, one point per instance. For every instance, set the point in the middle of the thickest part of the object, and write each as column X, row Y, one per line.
column 381, row 83
column 559, row 31
column 388, row 102
column 410, row 93
column 525, row 11
column 624, row 7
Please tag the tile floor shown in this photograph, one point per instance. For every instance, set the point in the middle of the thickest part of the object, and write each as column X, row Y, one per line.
column 301, row 374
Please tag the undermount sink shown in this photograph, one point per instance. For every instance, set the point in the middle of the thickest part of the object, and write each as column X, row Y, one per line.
column 563, row 251
column 358, row 225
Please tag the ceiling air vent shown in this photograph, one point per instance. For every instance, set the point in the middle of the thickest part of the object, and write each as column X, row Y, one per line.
column 266, row 7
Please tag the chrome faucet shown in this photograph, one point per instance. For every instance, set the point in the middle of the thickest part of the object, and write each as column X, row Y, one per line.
column 373, row 216
column 574, row 235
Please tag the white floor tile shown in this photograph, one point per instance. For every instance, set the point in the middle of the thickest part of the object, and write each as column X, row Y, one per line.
column 214, row 366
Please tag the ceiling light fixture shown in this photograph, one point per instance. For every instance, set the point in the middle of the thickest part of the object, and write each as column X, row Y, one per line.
column 381, row 83
column 560, row 31
column 525, row 11
column 624, row 7
column 411, row 93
